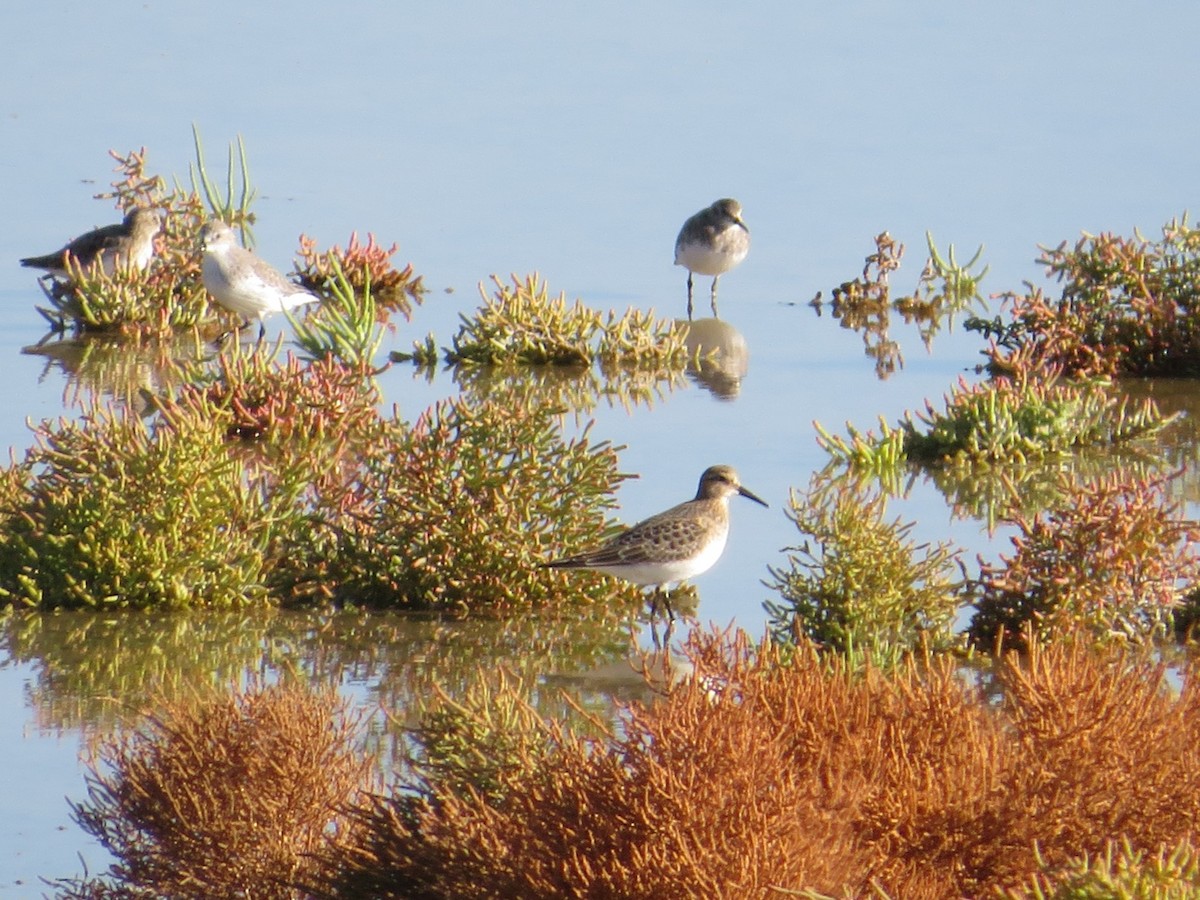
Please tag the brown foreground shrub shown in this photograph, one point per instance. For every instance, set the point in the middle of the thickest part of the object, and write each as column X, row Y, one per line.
column 768, row 774
column 224, row 796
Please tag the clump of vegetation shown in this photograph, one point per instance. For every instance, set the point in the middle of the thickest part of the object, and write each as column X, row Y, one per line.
column 346, row 326
column 268, row 481
column 862, row 587
column 290, row 405
column 944, row 289
column 870, row 291
column 1005, row 420
column 1116, row 561
column 456, row 512
column 775, row 772
column 170, row 295
column 1129, row 306
column 523, row 324
column 222, row 796
column 110, row 511
column 864, row 304
column 365, row 268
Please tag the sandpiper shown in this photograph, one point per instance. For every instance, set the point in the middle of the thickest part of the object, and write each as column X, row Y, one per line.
column 712, row 242
column 242, row 282
column 672, row 546
column 131, row 242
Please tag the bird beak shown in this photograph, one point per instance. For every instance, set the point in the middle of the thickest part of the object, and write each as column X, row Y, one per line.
column 747, row 230
column 750, row 495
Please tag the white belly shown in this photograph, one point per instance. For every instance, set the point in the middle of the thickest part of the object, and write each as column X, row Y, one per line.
column 675, row 570
column 717, row 259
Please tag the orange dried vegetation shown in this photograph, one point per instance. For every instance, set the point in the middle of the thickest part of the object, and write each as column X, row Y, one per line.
column 767, row 773
column 222, row 797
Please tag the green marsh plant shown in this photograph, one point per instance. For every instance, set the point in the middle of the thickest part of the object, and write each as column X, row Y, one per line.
column 1121, row 870
column 109, row 511
column 233, row 204
column 1004, row 420
column 858, row 584
column 944, row 289
column 455, row 511
column 345, row 325
column 523, row 324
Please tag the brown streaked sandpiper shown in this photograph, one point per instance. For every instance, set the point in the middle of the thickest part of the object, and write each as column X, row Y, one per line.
column 712, row 242
column 683, row 541
column 131, row 243
column 242, row 282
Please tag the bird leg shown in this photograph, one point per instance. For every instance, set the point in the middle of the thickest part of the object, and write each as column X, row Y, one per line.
column 660, row 591
column 668, row 632
column 714, row 297
column 664, row 640
column 689, row 295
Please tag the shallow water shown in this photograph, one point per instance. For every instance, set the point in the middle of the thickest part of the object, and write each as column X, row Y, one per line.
column 574, row 142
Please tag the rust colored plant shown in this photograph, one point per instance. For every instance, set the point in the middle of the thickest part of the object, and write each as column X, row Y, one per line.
column 1117, row 560
column 764, row 777
column 222, row 796
column 1129, row 306
column 363, row 265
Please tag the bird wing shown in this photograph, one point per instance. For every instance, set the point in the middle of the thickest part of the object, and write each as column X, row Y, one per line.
column 84, row 248
column 665, row 537
column 88, row 246
column 263, row 279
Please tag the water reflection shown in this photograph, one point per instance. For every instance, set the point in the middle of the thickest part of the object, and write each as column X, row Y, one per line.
column 992, row 493
column 1177, row 447
column 720, row 356
column 576, row 388
column 91, row 670
column 130, row 370
column 635, row 677
column 864, row 305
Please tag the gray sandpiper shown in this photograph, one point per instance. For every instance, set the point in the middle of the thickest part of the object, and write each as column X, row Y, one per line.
column 242, row 282
column 712, row 242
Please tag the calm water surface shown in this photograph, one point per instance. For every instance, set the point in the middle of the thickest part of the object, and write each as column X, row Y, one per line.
column 574, row 141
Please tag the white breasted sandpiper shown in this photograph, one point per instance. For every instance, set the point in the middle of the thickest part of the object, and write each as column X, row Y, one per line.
column 129, row 243
column 670, row 547
column 242, row 282
column 712, row 242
